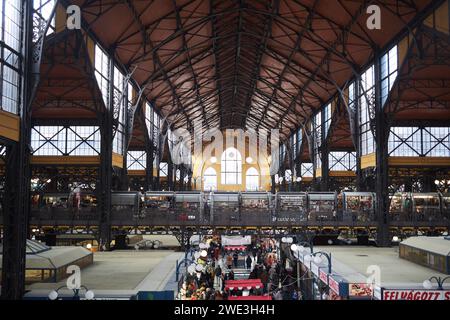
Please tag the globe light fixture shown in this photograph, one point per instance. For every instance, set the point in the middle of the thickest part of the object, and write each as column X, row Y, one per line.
column 308, row 258
column 53, row 295
column 213, row 160
column 317, row 260
column 199, row 268
column 427, row 285
column 191, row 268
column 249, row 160
column 89, row 295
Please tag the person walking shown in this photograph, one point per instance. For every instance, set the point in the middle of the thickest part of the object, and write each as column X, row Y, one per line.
column 218, row 276
column 248, row 262
column 229, row 261
column 235, row 259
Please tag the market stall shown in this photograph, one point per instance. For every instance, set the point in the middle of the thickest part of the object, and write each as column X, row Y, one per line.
column 250, row 298
column 235, row 248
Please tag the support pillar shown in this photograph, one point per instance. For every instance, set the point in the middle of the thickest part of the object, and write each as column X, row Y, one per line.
column 170, row 174
column 106, row 171
column 16, row 210
column 149, row 170
column 15, row 216
column 124, row 181
column 382, row 165
column 324, row 179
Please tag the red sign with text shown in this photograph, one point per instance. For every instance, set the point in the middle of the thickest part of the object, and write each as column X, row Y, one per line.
column 323, row 277
column 416, row 295
column 333, row 284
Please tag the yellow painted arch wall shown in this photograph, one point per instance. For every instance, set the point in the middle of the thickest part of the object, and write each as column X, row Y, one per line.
column 263, row 171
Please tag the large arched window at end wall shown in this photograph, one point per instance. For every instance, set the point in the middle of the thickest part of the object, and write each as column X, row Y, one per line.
column 210, row 180
column 252, row 180
column 231, row 167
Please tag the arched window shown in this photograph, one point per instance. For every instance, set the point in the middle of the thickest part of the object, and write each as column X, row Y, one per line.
column 231, row 167
column 252, row 180
column 210, row 180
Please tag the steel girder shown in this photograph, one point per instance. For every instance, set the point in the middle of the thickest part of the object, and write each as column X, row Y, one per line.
column 220, row 36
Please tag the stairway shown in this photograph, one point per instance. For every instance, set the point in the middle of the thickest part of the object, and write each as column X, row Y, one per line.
column 241, row 274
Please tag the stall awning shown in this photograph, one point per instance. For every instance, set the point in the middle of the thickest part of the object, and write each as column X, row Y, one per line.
column 251, row 298
column 243, row 284
column 235, row 248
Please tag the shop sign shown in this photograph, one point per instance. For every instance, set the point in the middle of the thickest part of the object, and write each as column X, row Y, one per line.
column 323, row 277
column 360, row 290
column 315, row 269
column 416, row 294
column 333, row 284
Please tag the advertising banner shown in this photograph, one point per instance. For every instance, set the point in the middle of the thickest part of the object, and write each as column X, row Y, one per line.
column 323, row 277
column 389, row 294
column 236, row 240
column 360, row 290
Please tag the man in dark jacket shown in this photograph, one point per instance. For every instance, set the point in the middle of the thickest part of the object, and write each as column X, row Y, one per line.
column 235, row 259
column 248, row 262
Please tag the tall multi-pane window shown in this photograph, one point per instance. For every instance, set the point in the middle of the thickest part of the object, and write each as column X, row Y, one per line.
column 252, row 180
column 136, row 160
column 156, row 126
column 231, row 167
column 210, row 180
column 149, row 118
column 327, row 119
column 317, row 139
column 10, row 46
column 102, row 72
column 296, row 143
column 367, row 97
column 293, row 143
column 352, row 96
column 299, row 141
column 389, row 67
column 119, row 110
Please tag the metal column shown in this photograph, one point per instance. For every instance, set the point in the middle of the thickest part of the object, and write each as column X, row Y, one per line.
column 382, row 167
column 106, row 169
